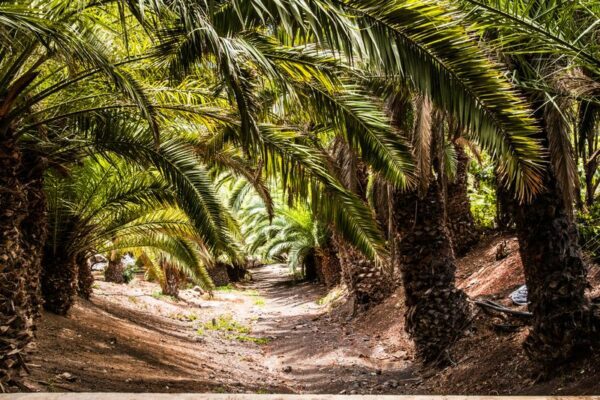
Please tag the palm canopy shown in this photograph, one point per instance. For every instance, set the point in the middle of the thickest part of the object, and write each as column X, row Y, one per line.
column 299, row 51
column 106, row 205
column 422, row 43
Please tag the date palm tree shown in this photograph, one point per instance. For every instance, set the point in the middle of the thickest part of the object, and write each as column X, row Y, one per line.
column 47, row 48
column 108, row 206
column 563, row 36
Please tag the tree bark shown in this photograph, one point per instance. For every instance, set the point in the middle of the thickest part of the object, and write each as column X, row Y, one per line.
column 461, row 224
column 310, row 267
column 85, row 279
column 172, row 280
column 59, row 282
column 115, row 269
column 15, row 321
column 437, row 312
column 555, row 273
column 366, row 282
column 556, row 277
column 329, row 265
column 34, row 228
column 218, row 274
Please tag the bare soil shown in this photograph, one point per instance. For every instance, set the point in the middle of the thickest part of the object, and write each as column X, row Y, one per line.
column 275, row 335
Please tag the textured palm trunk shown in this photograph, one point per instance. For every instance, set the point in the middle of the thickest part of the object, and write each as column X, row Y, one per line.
column 172, row 280
column 366, row 282
column 85, row 279
column 555, row 273
column 59, row 282
column 556, row 277
column 15, row 321
column 236, row 272
column 437, row 312
column 34, row 229
column 461, row 224
column 115, row 269
column 310, row 267
column 329, row 265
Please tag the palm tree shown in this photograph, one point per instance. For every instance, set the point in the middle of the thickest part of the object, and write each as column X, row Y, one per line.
column 437, row 312
column 460, row 221
column 562, row 35
column 115, row 207
column 366, row 281
column 46, row 51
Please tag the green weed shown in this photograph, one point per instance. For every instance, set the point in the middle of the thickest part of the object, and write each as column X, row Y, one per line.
column 259, row 301
column 247, row 338
column 226, row 323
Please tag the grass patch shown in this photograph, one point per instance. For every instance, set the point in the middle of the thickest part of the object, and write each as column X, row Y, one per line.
column 226, row 323
column 247, row 338
column 184, row 317
column 227, row 288
column 259, row 301
column 158, row 295
column 233, row 329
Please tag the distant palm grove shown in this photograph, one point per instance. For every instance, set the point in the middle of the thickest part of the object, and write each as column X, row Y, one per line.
column 364, row 142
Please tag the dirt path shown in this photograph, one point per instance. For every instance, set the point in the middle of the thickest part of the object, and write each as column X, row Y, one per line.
column 268, row 335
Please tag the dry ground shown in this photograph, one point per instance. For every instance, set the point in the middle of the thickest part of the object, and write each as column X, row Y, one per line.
column 277, row 335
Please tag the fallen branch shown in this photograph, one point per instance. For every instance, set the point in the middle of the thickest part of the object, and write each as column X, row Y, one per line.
column 490, row 305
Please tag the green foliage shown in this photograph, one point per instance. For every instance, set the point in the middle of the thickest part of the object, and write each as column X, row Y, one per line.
column 293, row 235
column 129, row 273
column 226, row 323
column 589, row 230
column 246, row 338
column 482, row 192
column 259, row 302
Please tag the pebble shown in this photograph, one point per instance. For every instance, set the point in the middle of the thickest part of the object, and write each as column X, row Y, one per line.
column 68, row 377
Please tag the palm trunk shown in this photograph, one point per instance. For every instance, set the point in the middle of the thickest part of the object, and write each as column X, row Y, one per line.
column 555, row 273
column 437, row 312
column 59, row 282
column 366, row 282
column 310, row 267
column 35, row 229
column 15, row 322
column 115, row 269
column 329, row 265
column 556, row 277
column 85, row 279
column 461, row 224
column 172, row 280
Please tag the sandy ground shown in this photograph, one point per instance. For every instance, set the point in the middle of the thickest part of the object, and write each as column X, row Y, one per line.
column 274, row 335
column 129, row 338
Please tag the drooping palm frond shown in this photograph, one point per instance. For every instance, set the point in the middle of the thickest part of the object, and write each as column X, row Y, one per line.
column 432, row 51
column 181, row 253
column 350, row 216
column 176, row 161
column 107, row 205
